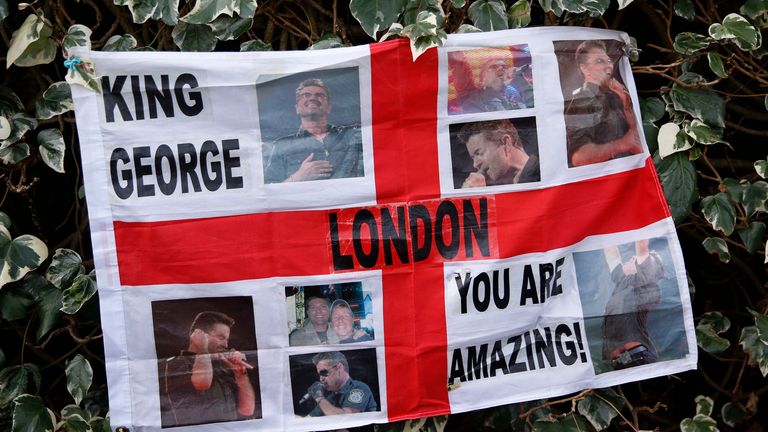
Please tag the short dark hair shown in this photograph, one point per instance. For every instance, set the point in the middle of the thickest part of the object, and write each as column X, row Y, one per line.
column 583, row 49
column 207, row 319
column 492, row 130
column 313, row 82
column 334, row 357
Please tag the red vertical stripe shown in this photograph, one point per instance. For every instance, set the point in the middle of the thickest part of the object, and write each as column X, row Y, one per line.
column 405, row 155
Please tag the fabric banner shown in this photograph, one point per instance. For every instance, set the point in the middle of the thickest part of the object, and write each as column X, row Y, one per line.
column 324, row 239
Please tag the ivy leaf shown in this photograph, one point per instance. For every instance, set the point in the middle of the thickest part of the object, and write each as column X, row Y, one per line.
column 424, row 34
column 327, row 41
column 752, row 236
column 458, row 3
column 31, row 415
column 57, row 99
column 569, row 423
column 595, row 7
column 755, row 348
column 17, row 380
column 21, row 123
column 66, row 264
column 14, row 153
column 702, row 133
column 671, row 140
column 652, row 109
column 376, row 15
column 761, row 322
column 684, row 8
column 732, row 414
column 205, row 11
column 519, row 14
column 708, row 329
column 125, row 42
column 14, row 302
column 761, row 167
column 736, row 28
column 754, row 197
column 84, row 76
column 228, row 28
column 78, row 35
column 716, row 64
column 10, row 103
column 678, row 178
column 488, row 15
column 414, row 7
column 19, row 255
column 75, row 423
column 255, row 45
column 142, row 10
column 74, row 410
column 3, row 10
column 624, row 3
column 554, row 6
column 5, row 128
column 717, row 246
column 5, row 220
column 688, row 43
column 47, row 302
column 719, row 212
column 194, row 37
column 52, row 148
column 704, row 104
column 754, row 8
column 99, row 424
column 31, row 44
column 601, row 407
column 79, row 377
column 74, row 297
column 468, row 28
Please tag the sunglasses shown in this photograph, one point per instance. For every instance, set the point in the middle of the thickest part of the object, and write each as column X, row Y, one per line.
column 324, row 372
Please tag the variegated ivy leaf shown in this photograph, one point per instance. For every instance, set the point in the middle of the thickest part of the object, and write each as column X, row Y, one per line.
column 376, row 15
column 79, row 377
column 468, row 28
column 424, row 34
column 761, row 167
column 30, row 414
column 205, row 11
column 601, row 407
column 77, row 35
column 82, row 289
column 756, row 349
column 52, row 148
column 66, row 264
column 717, row 246
column 708, row 329
column 716, row 64
column 125, row 42
column 624, row 3
column 228, row 28
column 702, row 133
column 752, row 235
column 255, row 45
column 13, row 153
column 10, row 103
column 142, row 10
column 720, row 212
column 754, row 197
column 736, row 28
column 488, row 15
column 31, row 44
column 57, row 99
column 684, row 8
column 5, row 220
column 83, row 75
column 519, row 14
column 194, row 37
column 3, row 9
column 554, row 6
column 21, row 123
column 414, row 7
column 732, row 414
column 396, row 29
column 702, row 103
column 458, row 3
column 20, row 255
column 5, row 128
column 595, row 8
column 688, row 43
column 704, row 405
column 754, row 8
column 761, row 322
column 327, row 41
column 672, row 140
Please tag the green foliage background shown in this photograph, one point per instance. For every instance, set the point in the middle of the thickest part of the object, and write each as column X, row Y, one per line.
column 700, row 67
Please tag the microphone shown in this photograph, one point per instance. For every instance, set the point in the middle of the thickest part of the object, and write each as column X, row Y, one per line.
column 304, row 398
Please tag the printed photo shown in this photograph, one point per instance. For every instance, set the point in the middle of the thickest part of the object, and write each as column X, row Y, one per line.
column 335, row 382
column 631, row 303
column 331, row 314
column 599, row 119
column 494, row 152
column 207, row 360
column 310, row 125
column 490, row 79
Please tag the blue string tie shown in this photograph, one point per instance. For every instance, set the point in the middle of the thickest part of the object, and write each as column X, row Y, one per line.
column 72, row 63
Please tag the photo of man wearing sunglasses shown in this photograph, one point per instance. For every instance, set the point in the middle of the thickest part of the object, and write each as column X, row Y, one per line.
column 335, row 392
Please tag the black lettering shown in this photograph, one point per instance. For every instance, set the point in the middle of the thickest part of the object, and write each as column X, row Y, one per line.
column 557, row 288
column 142, row 170
column 230, row 162
column 121, row 155
column 463, row 287
column 418, row 213
column 113, row 97
column 473, row 228
column 138, row 100
column 165, row 152
column 365, row 217
column 529, row 287
column 449, row 250
column 546, row 271
column 394, row 237
column 565, row 350
column 477, row 362
column 529, row 351
column 154, row 95
column 195, row 97
column 501, row 301
column 187, row 166
column 497, row 359
column 211, row 183
column 457, row 367
column 481, row 305
column 514, row 366
column 340, row 262
column 543, row 345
